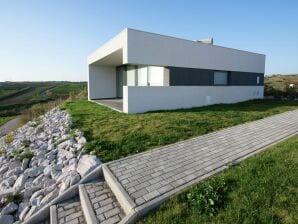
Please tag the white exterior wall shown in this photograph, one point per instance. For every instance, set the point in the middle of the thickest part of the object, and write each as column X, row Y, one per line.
column 154, row 49
column 155, row 75
column 101, row 82
column 139, row 99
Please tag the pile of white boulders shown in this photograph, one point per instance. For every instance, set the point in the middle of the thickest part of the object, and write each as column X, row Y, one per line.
column 38, row 162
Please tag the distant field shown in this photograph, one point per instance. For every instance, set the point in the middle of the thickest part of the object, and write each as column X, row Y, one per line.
column 15, row 97
column 65, row 90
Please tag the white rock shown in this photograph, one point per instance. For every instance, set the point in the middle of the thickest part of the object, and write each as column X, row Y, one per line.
column 15, row 164
column 55, row 174
column 71, row 167
column 9, row 208
column 27, row 193
column 49, row 197
column 38, row 180
column 24, row 212
column 47, row 170
column 8, row 182
column 46, row 182
column 36, row 201
column 87, row 163
column 37, row 194
column 3, row 169
column 74, row 179
column 20, row 182
column 31, row 211
column 36, row 171
column 25, row 163
column 49, row 189
column 22, row 206
column 82, row 140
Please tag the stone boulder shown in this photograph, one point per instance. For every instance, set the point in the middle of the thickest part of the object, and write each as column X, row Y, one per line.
column 87, row 163
column 20, row 182
column 9, row 208
column 6, row 219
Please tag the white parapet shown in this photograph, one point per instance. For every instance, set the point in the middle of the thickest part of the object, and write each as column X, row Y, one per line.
column 139, row 99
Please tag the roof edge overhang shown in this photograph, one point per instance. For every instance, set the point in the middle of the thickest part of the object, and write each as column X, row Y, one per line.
column 112, row 52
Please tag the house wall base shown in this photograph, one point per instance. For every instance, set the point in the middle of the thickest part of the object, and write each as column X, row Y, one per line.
column 139, row 99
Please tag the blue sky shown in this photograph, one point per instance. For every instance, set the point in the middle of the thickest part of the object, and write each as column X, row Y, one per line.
column 50, row 40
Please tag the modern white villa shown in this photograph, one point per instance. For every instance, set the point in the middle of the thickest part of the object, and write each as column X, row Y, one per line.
column 138, row 71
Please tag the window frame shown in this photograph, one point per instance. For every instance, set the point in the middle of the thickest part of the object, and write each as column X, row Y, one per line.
column 227, row 78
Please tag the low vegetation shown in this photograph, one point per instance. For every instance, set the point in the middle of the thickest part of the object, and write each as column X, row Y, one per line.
column 112, row 135
column 15, row 198
column 8, row 139
column 208, row 197
column 262, row 189
column 38, row 109
column 279, row 86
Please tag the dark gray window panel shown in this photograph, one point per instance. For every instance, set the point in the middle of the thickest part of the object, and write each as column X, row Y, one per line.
column 190, row 77
column 246, row 79
column 205, row 77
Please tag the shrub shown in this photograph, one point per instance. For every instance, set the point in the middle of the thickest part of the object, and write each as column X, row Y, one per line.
column 208, row 197
column 17, row 151
column 291, row 92
column 26, row 142
column 26, row 155
column 16, row 198
column 22, row 153
column 8, row 139
column 2, row 151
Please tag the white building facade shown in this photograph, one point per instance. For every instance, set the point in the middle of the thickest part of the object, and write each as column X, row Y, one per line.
column 155, row 72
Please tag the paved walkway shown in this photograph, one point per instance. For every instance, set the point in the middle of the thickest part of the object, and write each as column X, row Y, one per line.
column 155, row 174
column 9, row 126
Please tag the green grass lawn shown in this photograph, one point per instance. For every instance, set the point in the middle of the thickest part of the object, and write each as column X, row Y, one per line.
column 262, row 189
column 113, row 135
column 4, row 119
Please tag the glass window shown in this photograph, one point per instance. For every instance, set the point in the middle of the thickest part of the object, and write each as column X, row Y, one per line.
column 130, row 80
column 220, row 78
column 258, row 80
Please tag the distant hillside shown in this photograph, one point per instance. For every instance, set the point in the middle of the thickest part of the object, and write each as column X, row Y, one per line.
column 278, row 85
column 15, row 97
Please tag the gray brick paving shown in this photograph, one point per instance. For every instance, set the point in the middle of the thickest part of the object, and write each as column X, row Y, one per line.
column 104, row 203
column 70, row 212
column 148, row 175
